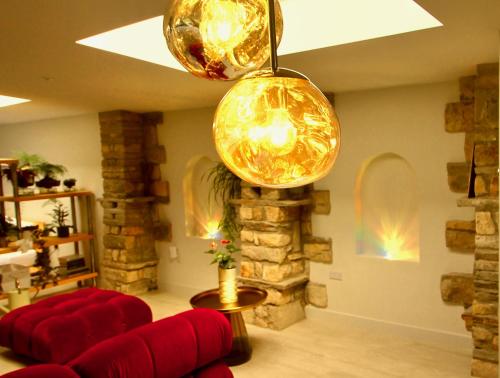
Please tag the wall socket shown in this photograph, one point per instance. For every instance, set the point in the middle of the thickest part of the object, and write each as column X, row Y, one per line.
column 174, row 255
column 336, row 276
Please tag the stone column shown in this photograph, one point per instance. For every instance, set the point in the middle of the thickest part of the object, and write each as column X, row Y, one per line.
column 276, row 238
column 132, row 184
column 477, row 115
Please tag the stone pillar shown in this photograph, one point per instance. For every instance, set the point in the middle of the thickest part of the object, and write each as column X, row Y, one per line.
column 276, row 227
column 132, row 184
column 477, row 115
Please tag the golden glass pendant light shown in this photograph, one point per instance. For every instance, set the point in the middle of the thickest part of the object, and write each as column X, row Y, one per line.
column 274, row 128
column 220, row 39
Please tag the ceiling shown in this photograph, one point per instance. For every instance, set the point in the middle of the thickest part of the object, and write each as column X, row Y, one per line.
column 41, row 61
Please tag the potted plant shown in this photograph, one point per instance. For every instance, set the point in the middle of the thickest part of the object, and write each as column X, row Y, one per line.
column 26, row 171
column 69, row 184
column 228, row 290
column 59, row 215
column 49, row 172
column 7, row 232
column 225, row 186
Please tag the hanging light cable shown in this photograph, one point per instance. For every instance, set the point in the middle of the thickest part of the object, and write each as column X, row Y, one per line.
column 274, row 128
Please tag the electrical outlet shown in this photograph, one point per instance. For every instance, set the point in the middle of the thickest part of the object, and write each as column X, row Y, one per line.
column 173, row 253
column 336, row 276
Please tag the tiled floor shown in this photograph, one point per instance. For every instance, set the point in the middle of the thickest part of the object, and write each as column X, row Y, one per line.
column 320, row 347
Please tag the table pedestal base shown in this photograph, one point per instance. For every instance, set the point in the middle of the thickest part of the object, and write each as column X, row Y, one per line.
column 241, row 351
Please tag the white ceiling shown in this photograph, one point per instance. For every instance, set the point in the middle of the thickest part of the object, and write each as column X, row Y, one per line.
column 41, row 61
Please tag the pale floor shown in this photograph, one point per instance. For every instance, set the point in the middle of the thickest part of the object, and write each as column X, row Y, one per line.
column 320, row 347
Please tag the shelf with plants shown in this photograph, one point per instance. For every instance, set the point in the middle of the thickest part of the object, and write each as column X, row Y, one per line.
column 63, row 218
column 64, row 281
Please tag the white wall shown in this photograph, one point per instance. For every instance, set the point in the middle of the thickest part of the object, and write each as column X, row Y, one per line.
column 408, row 121
column 73, row 142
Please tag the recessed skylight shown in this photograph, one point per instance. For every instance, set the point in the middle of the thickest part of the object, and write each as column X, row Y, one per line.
column 9, row 101
column 308, row 25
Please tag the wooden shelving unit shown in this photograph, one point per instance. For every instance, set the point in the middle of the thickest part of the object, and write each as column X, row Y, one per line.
column 62, row 282
column 86, row 200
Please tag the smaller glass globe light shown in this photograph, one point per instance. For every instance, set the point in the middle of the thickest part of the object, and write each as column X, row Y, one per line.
column 220, row 39
column 276, row 130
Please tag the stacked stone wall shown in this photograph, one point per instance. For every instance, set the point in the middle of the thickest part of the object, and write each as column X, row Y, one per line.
column 132, row 187
column 476, row 115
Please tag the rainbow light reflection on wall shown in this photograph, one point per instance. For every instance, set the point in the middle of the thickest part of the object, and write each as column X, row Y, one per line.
column 386, row 205
column 202, row 215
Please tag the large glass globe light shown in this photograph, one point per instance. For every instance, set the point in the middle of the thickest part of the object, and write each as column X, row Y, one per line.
column 220, row 39
column 276, row 130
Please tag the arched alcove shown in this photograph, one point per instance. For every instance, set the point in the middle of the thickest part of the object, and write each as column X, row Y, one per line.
column 202, row 214
column 387, row 221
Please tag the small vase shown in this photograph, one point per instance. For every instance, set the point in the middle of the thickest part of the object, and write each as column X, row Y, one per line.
column 228, row 290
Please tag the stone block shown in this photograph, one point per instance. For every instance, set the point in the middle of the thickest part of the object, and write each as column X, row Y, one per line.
column 321, row 202
column 485, row 354
column 486, row 154
column 494, row 186
column 250, row 193
column 273, row 194
column 468, row 146
column 482, row 334
column 268, row 239
column 281, row 297
column 316, row 295
column 458, row 177
column 486, row 107
column 467, row 88
column 460, row 235
column 262, row 253
column 150, row 135
column 247, row 269
column 487, row 265
column 280, row 214
column 160, row 190
column 459, row 117
column 273, row 272
column 319, row 250
column 156, row 155
column 485, row 225
column 487, row 241
column 276, row 317
column 153, row 172
column 481, row 188
column 484, row 369
column 484, row 308
column 457, row 288
column 251, row 213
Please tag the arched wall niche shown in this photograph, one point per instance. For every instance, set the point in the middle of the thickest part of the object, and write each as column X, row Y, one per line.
column 202, row 213
column 387, row 203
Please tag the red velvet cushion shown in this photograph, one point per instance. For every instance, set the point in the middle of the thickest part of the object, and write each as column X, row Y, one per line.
column 60, row 328
column 42, row 371
column 217, row 369
column 171, row 347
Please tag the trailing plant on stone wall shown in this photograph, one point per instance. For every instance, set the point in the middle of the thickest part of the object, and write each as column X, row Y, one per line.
column 225, row 186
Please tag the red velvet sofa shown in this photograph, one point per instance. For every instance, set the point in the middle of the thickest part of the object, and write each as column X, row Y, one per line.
column 60, row 328
column 190, row 344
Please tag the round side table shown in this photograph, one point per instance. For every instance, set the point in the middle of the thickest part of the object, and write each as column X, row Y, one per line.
column 248, row 298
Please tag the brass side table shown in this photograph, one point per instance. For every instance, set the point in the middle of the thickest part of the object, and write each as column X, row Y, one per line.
column 248, row 298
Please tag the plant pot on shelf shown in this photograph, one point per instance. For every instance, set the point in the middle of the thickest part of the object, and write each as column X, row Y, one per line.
column 228, row 289
column 47, row 184
column 69, row 184
column 63, row 231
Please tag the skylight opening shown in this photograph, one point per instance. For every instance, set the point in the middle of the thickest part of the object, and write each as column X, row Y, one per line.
column 316, row 24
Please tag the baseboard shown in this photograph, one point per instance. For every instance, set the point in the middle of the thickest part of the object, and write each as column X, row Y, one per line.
column 426, row 335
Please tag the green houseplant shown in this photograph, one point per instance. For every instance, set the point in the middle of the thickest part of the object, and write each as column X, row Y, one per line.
column 59, row 215
column 225, row 186
column 50, row 172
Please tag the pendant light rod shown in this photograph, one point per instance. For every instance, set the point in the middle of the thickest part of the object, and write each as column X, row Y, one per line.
column 272, row 36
